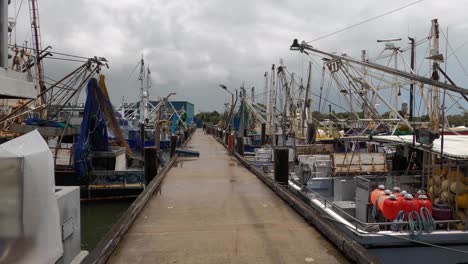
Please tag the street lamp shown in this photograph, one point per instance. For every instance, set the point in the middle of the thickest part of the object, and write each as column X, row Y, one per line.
column 232, row 106
column 300, row 47
column 295, row 45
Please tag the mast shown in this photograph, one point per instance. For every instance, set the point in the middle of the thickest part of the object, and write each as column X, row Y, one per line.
column 307, row 112
column 148, row 83
column 273, row 107
column 142, row 103
column 143, row 93
column 36, row 37
column 4, row 34
column 436, row 58
column 411, row 110
column 365, row 97
column 267, row 96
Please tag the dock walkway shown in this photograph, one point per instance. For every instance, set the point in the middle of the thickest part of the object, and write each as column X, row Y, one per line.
column 213, row 210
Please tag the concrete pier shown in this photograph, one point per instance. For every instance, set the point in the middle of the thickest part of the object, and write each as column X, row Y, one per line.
column 213, row 210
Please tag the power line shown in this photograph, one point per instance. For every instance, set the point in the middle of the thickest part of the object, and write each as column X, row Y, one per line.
column 365, row 21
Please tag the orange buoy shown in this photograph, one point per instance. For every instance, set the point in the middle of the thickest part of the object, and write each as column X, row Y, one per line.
column 391, row 207
column 382, row 198
column 422, row 201
column 420, row 192
column 408, row 205
column 401, row 195
column 375, row 194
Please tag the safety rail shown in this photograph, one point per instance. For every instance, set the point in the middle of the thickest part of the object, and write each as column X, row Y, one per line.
column 356, row 222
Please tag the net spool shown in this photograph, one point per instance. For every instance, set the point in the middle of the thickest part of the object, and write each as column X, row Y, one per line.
column 377, row 193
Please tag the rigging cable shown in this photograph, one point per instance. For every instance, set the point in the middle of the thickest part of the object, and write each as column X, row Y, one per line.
column 365, row 21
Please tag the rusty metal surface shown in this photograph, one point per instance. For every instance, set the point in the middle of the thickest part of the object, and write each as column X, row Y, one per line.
column 213, row 210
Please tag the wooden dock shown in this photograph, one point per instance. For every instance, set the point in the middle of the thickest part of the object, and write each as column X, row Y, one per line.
column 213, row 210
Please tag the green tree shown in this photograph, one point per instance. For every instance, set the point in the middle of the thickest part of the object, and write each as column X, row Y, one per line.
column 209, row 117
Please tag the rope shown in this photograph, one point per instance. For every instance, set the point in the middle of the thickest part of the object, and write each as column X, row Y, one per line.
column 398, row 221
column 365, row 21
column 415, row 225
column 428, row 221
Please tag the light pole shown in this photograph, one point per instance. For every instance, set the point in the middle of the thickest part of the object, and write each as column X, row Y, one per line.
column 226, row 89
column 231, row 125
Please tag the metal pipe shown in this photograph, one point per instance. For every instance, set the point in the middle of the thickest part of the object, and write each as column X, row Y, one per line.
column 389, row 70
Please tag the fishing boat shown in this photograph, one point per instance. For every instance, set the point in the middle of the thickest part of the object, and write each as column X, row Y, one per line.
column 353, row 170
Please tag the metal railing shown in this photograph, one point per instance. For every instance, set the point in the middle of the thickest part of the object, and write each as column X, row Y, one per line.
column 353, row 220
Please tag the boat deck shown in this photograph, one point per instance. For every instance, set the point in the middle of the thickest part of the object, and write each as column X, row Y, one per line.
column 211, row 209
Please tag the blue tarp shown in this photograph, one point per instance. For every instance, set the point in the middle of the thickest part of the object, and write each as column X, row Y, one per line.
column 93, row 135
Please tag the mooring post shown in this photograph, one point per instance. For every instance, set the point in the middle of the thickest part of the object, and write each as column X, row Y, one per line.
column 151, row 164
column 230, row 143
column 281, row 163
column 226, row 137
column 173, row 145
column 240, row 145
column 263, row 139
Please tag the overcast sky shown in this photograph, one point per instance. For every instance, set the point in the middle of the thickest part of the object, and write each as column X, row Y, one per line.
column 192, row 46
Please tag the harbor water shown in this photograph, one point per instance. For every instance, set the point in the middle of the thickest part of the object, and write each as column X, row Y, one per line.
column 97, row 218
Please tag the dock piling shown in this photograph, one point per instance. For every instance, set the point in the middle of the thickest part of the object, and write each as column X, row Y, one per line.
column 151, row 164
column 281, row 156
column 173, row 145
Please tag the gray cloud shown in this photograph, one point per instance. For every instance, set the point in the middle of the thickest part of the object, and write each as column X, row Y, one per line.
column 192, row 46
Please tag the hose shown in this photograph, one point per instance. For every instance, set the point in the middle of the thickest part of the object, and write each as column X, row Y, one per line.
column 398, row 221
column 427, row 220
column 415, row 225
